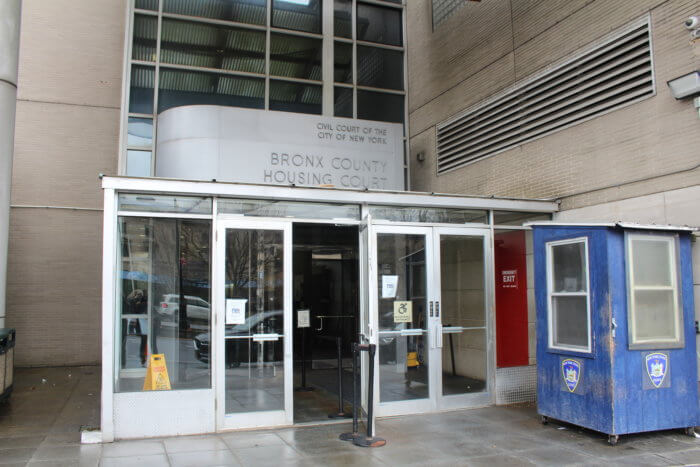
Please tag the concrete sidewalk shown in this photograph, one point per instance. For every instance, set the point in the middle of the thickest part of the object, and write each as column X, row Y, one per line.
column 40, row 427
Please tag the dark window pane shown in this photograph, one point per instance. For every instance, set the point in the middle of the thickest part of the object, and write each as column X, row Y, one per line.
column 569, row 267
column 143, row 202
column 300, row 15
column 342, row 63
column 141, row 92
column 140, row 132
column 518, row 218
column 342, row 18
column 379, row 106
column 379, row 24
column 295, row 97
column 295, row 56
column 379, row 68
column 342, row 102
column 147, row 4
column 178, row 88
column 212, row 46
column 243, row 11
column 570, row 321
column 145, row 34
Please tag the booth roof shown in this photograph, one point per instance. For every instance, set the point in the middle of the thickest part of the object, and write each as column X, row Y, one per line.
column 624, row 225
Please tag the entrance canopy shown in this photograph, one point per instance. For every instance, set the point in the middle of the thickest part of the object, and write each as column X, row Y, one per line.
column 326, row 195
column 202, row 293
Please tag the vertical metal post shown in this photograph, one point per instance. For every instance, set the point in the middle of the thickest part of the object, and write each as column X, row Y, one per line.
column 370, row 391
column 370, row 441
column 303, row 386
column 340, row 413
column 355, row 403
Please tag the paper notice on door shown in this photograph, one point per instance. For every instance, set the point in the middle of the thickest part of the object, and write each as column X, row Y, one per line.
column 235, row 310
column 303, row 318
column 403, row 311
column 389, row 285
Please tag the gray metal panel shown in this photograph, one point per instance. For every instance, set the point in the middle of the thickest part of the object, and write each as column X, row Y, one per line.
column 516, row 384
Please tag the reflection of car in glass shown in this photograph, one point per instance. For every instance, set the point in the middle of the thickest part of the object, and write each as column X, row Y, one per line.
column 197, row 311
column 242, row 350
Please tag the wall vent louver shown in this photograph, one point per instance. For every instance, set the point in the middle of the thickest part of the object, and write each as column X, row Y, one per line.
column 616, row 73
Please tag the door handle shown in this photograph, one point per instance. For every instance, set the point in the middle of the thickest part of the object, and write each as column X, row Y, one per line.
column 411, row 332
column 438, row 335
column 266, row 337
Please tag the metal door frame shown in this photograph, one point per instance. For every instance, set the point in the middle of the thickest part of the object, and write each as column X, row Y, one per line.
column 479, row 398
column 435, row 400
column 259, row 419
column 413, row 405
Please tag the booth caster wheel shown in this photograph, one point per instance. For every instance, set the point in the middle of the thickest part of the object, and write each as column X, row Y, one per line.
column 613, row 439
column 690, row 431
column 544, row 419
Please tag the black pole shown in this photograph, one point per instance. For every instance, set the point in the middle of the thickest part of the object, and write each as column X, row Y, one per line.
column 452, row 355
column 355, row 424
column 303, row 386
column 370, row 390
column 370, row 441
column 340, row 413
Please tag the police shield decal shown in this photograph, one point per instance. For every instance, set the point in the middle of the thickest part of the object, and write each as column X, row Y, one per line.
column 656, row 365
column 571, row 372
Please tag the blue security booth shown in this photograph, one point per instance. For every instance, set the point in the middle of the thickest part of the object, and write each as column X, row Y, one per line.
column 615, row 327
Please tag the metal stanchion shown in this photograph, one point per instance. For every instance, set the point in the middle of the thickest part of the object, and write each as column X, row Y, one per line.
column 303, row 386
column 340, row 413
column 370, row 441
column 355, row 392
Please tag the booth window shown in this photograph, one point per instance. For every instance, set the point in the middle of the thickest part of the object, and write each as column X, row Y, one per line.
column 654, row 307
column 569, row 301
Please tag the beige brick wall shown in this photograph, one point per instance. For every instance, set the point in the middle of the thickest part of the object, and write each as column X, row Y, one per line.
column 53, row 283
column 67, row 127
column 487, row 46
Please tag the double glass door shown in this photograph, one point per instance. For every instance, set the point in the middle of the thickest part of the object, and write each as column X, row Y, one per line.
column 430, row 314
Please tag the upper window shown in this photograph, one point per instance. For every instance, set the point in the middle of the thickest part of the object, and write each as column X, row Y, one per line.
column 568, row 295
column 654, row 315
column 261, row 54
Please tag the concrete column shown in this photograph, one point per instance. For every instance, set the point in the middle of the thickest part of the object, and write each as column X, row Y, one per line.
column 9, row 53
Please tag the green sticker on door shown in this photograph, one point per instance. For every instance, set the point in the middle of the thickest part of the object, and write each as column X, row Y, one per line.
column 403, row 311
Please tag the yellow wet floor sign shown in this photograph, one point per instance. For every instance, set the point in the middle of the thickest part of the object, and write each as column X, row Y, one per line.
column 156, row 374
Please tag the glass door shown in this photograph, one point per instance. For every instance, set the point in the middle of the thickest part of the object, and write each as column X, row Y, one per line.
column 463, row 363
column 430, row 308
column 253, row 345
column 403, row 269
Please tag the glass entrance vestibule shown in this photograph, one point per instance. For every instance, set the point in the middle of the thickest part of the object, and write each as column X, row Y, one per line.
column 224, row 304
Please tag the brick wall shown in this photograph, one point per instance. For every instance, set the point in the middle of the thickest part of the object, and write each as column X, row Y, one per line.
column 67, row 129
column 485, row 47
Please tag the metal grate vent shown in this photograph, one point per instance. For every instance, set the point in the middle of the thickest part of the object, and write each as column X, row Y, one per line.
column 616, row 73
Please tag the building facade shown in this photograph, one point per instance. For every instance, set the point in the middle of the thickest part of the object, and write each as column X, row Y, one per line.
column 517, row 101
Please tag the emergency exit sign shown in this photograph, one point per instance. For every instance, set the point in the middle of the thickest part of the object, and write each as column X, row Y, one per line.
column 509, row 279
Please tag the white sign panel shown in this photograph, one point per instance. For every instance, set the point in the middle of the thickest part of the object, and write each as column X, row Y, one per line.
column 235, row 310
column 389, row 284
column 281, row 148
column 303, row 318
